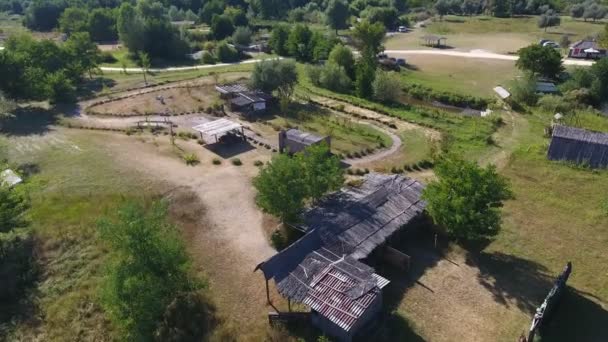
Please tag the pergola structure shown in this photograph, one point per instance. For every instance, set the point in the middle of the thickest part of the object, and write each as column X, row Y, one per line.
column 218, row 128
column 432, row 40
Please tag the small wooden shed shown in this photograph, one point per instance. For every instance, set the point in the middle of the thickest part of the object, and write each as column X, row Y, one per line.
column 579, row 146
column 293, row 140
column 434, row 41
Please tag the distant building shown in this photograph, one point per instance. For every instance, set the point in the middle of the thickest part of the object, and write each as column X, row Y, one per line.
column 228, row 91
column 250, row 102
column 323, row 271
column 294, row 141
column 586, row 49
column 579, row 146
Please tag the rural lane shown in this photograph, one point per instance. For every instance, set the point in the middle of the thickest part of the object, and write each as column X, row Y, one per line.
column 185, row 68
column 482, row 54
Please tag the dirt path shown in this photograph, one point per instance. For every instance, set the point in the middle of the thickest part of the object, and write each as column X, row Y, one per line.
column 506, row 140
column 186, row 68
column 477, row 54
column 380, row 154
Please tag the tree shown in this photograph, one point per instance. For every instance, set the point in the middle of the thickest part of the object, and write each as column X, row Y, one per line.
column 148, row 267
column 73, row 20
column 577, row 10
column 299, row 43
column 43, row 15
column 210, row 9
column 130, row 28
column 278, row 39
column 242, row 36
column 237, row 16
column 369, row 37
column 321, row 171
column 84, row 52
column 386, row 87
column 343, row 56
column 334, row 78
column 281, row 188
column 275, row 74
column 540, row 60
column 337, row 14
column 144, row 63
column 466, row 199
column 599, row 85
column 470, row 7
column 365, row 75
column 549, row 19
column 221, row 26
column 442, row 7
column 13, row 205
column 102, row 25
column 523, row 90
column 501, row 8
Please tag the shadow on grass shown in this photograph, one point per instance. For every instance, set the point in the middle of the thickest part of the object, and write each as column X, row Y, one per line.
column 511, row 279
column 29, row 121
column 577, row 318
column 90, row 88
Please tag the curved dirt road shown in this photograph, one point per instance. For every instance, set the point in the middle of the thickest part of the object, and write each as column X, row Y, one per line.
column 186, row 68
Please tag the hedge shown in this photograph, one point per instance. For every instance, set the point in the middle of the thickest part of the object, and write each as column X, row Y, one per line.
column 425, row 93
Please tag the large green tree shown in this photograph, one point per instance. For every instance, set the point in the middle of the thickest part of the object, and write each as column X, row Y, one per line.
column 278, row 39
column 275, row 75
column 299, row 43
column 148, row 267
column 85, row 53
column 540, row 60
column 466, row 199
column 286, row 183
column 74, row 19
column 343, row 56
column 369, row 39
column 337, row 14
column 321, row 171
column 281, row 188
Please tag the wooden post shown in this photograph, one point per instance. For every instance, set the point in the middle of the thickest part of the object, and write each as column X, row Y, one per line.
column 267, row 293
column 289, row 304
column 435, row 240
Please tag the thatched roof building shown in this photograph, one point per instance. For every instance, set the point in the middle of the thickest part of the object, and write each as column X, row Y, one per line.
column 322, row 269
column 579, row 146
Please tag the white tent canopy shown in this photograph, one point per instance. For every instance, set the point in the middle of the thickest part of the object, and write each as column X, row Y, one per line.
column 591, row 50
column 217, row 127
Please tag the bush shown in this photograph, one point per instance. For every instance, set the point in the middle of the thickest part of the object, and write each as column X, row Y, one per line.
column 208, row 58
column 424, row 93
column 277, row 240
column 189, row 317
column 555, row 104
column 258, row 163
column 16, row 263
column 107, row 57
column 386, row 87
column 191, row 159
column 216, row 161
column 226, row 53
column 334, row 77
column 523, row 90
column 236, row 162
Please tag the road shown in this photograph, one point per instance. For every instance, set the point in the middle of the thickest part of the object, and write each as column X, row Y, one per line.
column 185, row 68
column 482, row 54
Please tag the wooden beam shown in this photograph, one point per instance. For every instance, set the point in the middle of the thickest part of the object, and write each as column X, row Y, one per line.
column 267, row 294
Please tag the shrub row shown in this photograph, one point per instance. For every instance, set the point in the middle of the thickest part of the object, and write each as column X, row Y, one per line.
column 425, row 93
column 419, row 166
column 357, row 172
column 340, row 108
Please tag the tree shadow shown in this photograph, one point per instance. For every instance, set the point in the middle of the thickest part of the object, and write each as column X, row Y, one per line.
column 392, row 327
column 30, row 121
column 91, row 87
column 511, row 279
column 576, row 318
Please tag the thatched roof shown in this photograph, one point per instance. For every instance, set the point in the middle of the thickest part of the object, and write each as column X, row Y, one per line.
column 579, row 146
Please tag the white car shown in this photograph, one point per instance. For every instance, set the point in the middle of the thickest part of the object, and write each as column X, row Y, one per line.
column 402, row 29
column 551, row 44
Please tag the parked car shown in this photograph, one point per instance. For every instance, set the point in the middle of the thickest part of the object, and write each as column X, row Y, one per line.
column 402, row 29
column 401, row 62
column 382, row 55
column 551, row 44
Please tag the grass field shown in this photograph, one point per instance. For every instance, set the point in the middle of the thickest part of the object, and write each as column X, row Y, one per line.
column 347, row 136
column 459, row 75
column 501, row 35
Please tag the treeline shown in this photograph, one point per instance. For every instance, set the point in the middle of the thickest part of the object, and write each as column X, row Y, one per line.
column 40, row 70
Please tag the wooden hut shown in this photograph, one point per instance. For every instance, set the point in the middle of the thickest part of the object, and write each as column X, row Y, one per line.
column 323, row 271
column 579, row 146
column 434, row 41
column 294, row 141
